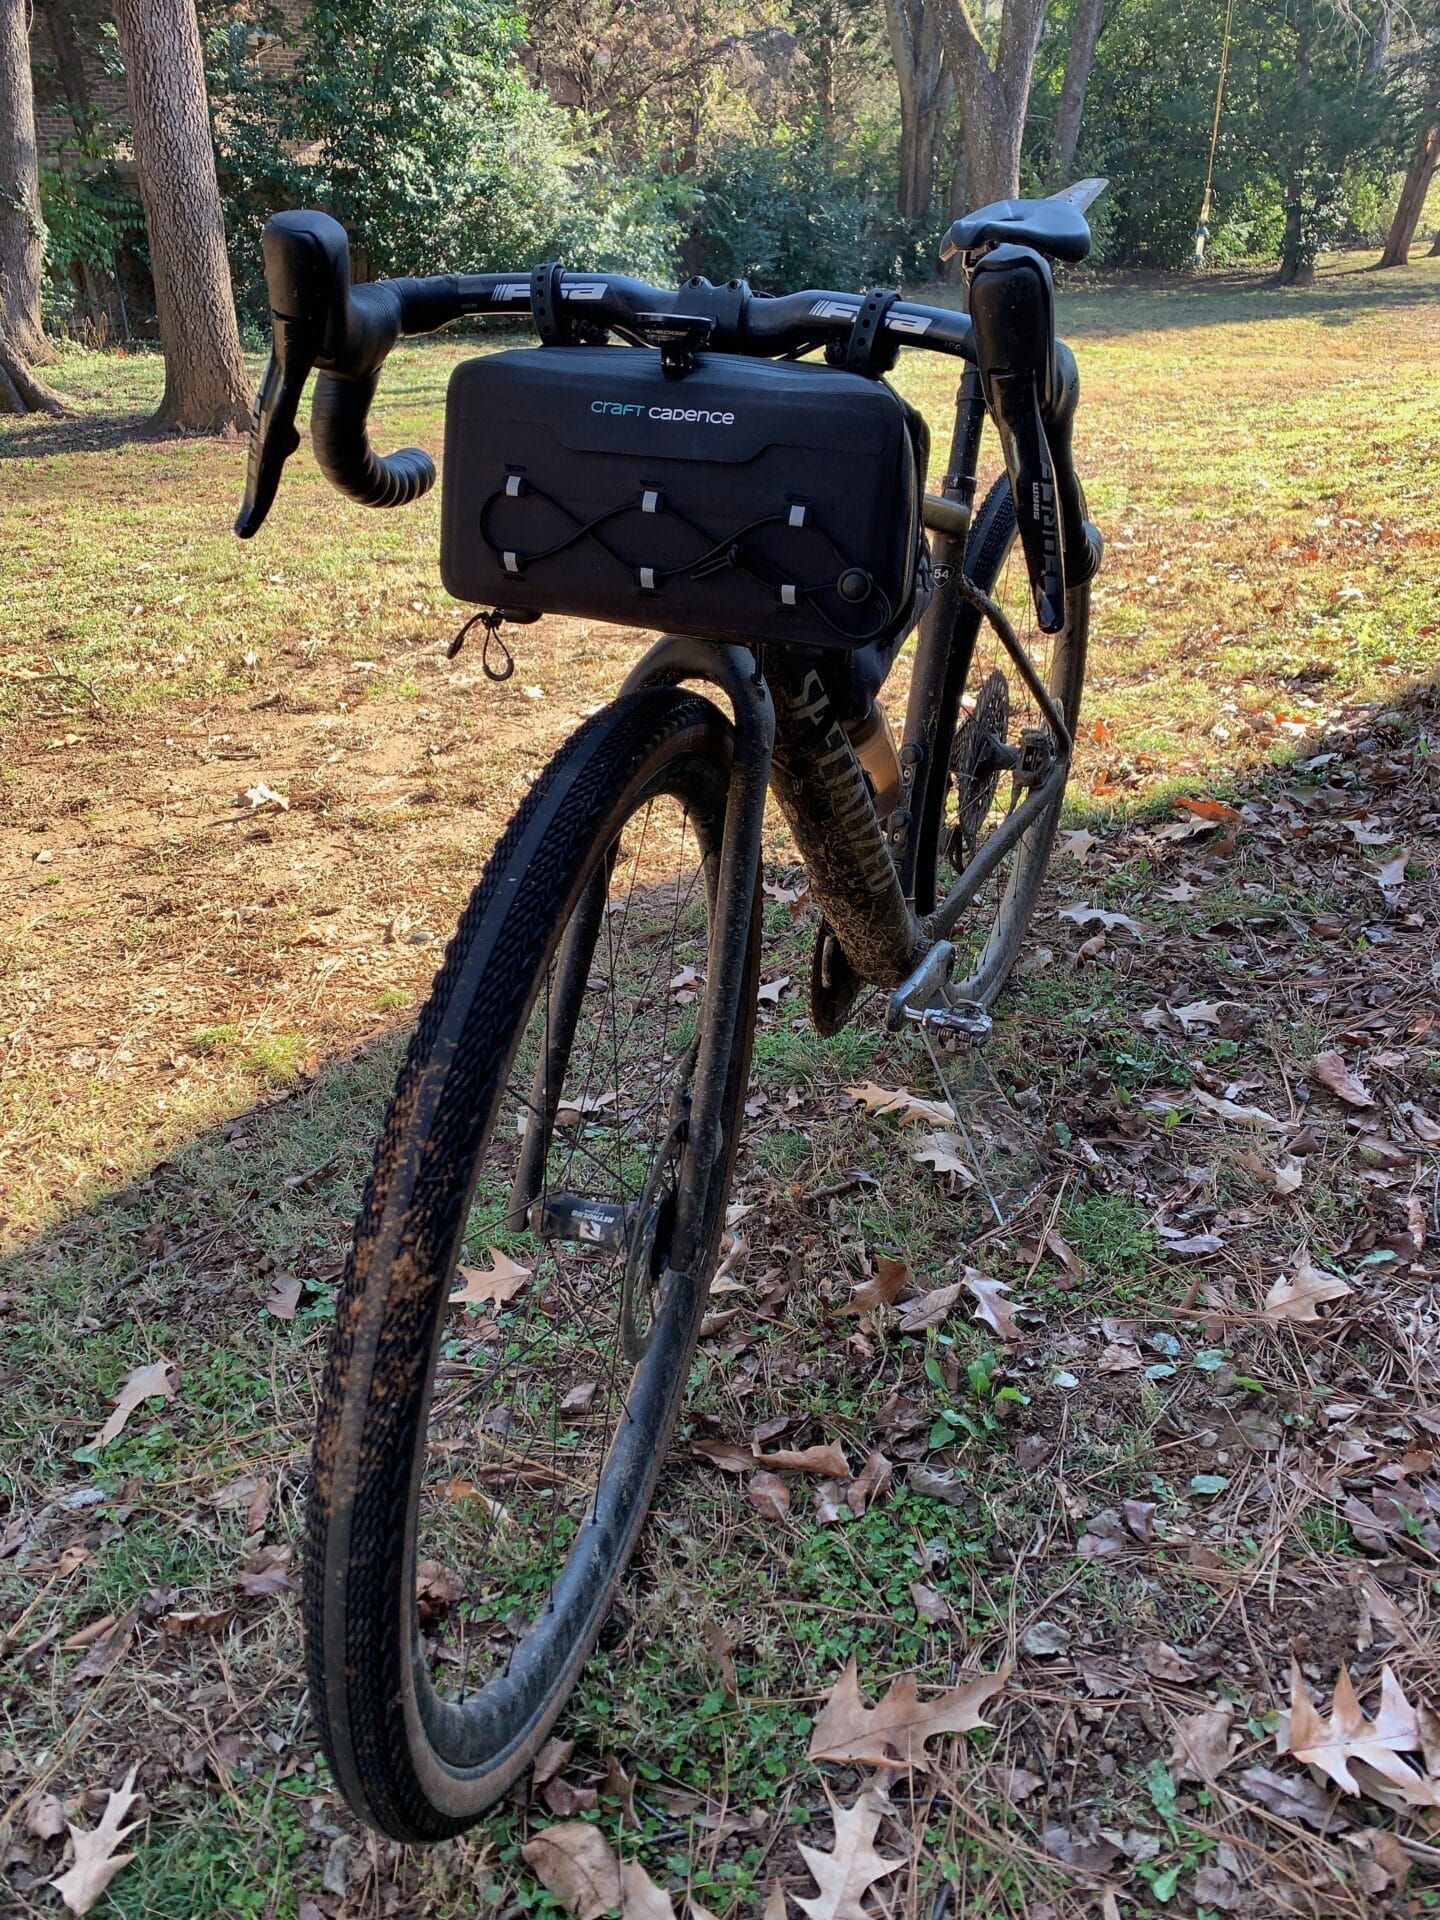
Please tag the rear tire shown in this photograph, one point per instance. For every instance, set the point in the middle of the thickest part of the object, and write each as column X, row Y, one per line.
column 986, row 704
column 513, row 1495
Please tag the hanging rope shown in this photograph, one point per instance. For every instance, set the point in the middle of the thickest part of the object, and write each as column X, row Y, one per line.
column 1202, row 226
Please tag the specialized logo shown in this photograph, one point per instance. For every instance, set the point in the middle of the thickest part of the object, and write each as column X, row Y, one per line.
column 693, row 416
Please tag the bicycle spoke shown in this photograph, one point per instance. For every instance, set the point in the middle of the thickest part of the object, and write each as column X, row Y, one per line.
column 531, row 1389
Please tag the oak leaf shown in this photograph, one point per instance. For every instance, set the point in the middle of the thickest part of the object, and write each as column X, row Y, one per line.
column 907, row 1107
column 489, row 1287
column 890, row 1279
column 945, row 1152
column 1300, row 1295
column 894, row 1733
column 852, row 1865
column 1348, row 1738
column 991, row 1305
column 96, row 1862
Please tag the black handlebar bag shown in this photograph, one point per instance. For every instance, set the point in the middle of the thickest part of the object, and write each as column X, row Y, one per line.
column 772, row 503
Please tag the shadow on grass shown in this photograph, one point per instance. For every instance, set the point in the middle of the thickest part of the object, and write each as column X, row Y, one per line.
column 38, row 436
column 1145, row 302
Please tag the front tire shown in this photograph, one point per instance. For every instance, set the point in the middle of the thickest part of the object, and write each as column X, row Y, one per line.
column 481, row 1471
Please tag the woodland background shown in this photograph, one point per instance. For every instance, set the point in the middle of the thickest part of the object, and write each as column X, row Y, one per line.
column 818, row 142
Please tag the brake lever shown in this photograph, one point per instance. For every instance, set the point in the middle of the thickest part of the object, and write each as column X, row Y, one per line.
column 273, row 433
column 307, row 279
column 1015, row 407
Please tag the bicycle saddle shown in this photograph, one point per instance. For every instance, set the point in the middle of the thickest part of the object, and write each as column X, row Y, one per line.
column 1056, row 228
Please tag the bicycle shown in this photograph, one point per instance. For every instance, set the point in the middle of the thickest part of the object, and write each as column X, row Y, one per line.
column 568, row 1108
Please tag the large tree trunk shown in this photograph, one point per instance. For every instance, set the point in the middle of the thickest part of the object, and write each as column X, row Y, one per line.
column 926, row 91
column 205, row 384
column 21, row 388
column 22, row 230
column 1084, row 33
column 1434, row 253
column 1412, row 198
column 993, row 99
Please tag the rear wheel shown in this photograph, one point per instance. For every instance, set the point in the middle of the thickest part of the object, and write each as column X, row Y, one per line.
column 992, row 735
column 512, row 1345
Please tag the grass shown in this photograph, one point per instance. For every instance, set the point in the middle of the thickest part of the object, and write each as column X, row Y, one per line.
column 200, row 999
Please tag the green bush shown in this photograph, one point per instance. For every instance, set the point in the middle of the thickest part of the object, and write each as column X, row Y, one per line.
column 413, row 122
column 794, row 210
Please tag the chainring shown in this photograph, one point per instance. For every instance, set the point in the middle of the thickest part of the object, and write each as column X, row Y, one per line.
column 976, row 767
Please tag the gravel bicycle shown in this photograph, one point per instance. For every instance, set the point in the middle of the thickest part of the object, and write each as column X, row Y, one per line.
column 522, row 1301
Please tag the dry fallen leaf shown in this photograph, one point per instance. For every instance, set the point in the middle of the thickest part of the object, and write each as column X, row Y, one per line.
column 929, row 1309
column 156, row 1381
column 728, row 1455
column 1076, row 843
column 768, row 994
column 905, row 1106
column 1294, row 1800
column 1391, row 877
column 1082, row 916
column 96, row 1862
column 492, row 1287
column 872, row 1483
column 105, row 1650
column 1331, row 1071
column 843, row 1874
column 267, row 1573
column 945, row 1152
column 284, row 1298
column 1204, row 1744
column 1299, row 1295
column 991, row 1305
column 828, row 1460
column 1226, row 1109
column 640, row 1898
column 1348, row 1739
column 893, row 1734
column 890, row 1279
column 45, row 1817
column 573, row 1860
column 570, row 1113
column 769, row 1496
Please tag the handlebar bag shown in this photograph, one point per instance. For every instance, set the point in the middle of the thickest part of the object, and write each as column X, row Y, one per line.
column 752, row 500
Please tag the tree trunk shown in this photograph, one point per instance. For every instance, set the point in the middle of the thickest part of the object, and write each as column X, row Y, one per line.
column 1434, row 253
column 206, row 390
column 926, row 92
column 1084, row 33
column 22, row 230
column 1297, row 257
column 21, row 388
column 994, row 99
column 1412, row 198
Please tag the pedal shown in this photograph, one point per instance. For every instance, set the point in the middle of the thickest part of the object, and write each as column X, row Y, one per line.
column 972, row 1025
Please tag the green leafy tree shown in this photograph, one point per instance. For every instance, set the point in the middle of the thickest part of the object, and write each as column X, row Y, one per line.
column 413, row 122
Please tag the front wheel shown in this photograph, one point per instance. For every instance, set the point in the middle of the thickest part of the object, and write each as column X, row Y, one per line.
column 989, row 722
column 512, row 1344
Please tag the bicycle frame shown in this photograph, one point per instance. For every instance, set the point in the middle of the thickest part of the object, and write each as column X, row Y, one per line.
column 788, row 737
